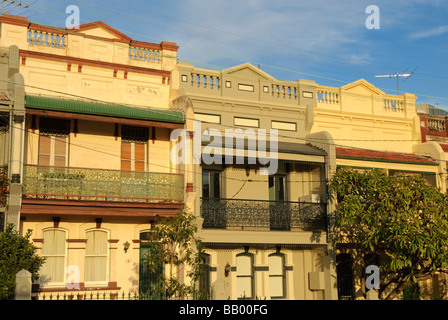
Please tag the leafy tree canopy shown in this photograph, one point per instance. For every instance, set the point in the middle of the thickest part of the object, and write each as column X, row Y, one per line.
column 16, row 253
column 401, row 218
column 176, row 247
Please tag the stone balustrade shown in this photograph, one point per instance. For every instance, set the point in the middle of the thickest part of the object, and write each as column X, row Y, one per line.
column 206, row 81
column 144, row 54
column 328, row 95
column 45, row 38
column 438, row 125
column 393, row 104
column 284, row 91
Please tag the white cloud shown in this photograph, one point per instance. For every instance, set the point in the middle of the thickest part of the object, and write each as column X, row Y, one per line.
column 430, row 33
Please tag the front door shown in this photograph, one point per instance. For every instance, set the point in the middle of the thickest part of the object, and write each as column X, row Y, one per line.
column 149, row 281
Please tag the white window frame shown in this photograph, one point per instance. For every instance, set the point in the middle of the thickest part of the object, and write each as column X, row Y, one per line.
column 241, row 294
column 56, row 283
column 281, row 275
column 107, row 256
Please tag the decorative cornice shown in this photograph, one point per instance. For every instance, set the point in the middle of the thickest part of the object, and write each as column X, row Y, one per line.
column 95, row 63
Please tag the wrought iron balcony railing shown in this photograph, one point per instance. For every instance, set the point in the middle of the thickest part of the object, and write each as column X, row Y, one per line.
column 237, row 214
column 43, row 182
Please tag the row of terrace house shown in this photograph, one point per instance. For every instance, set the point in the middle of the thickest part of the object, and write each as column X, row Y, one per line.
column 89, row 116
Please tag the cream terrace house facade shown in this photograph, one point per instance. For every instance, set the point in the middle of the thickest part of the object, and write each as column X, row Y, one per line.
column 375, row 130
column 266, row 235
column 94, row 172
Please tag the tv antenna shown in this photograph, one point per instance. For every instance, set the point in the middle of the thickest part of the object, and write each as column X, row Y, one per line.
column 17, row 3
column 397, row 75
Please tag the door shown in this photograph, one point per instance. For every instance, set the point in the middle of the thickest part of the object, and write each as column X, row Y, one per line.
column 150, row 282
column 279, row 212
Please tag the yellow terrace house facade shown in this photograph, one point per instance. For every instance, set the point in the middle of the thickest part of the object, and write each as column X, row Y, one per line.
column 95, row 166
column 261, row 201
column 375, row 130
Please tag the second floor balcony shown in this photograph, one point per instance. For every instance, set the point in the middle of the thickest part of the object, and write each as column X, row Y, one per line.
column 243, row 214
column 66, row 183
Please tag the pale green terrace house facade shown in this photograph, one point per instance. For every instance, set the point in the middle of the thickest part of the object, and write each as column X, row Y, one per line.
column 266, row 235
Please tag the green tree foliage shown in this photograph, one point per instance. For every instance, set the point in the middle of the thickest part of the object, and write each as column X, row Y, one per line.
column 401, row 218
column 176, row 247
column 16, row 253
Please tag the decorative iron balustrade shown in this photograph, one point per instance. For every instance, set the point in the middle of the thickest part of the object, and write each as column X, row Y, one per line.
column 65, row 183
column 237, row 214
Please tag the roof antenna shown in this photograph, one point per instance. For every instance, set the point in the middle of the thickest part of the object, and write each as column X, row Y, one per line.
column 19, row 4
column 397, row 75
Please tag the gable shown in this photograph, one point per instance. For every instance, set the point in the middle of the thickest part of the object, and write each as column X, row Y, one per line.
column 101, row 29
column 249, row 71
column 362, row 87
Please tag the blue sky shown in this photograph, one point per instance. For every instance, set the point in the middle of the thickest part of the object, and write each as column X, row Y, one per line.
column 322, row 40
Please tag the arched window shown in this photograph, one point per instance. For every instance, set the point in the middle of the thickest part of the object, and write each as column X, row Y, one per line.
column 97, row 256
column 277, row 275
column 54, row 249
column 245, row 275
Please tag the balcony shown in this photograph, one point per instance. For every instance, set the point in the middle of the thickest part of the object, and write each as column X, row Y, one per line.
column 64, row 183
column 238, row 214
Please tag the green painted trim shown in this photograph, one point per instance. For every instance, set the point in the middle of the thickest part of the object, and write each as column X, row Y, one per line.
column 102, row 109
column 384, row 160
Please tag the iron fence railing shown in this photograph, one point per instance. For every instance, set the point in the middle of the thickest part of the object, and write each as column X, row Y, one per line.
column 98, row 295
column 246, row 214
column 100, row 185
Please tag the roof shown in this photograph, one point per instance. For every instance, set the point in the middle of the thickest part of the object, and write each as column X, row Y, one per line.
column 382, row 156
column 3, row 96
column 282, row 147
column 102, row 109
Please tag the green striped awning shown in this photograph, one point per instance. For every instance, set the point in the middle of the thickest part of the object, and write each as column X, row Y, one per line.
column 102, row 109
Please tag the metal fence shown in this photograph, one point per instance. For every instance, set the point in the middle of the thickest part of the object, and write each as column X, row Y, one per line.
column 98, row 295
column 100, row 185
column 244, row 214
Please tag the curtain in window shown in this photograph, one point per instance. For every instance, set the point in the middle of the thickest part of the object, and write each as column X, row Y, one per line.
column 54, row 249
column 96, row 256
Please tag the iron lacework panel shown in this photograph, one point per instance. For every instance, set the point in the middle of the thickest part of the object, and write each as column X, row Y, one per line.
column 239, row 214
column 65, row 183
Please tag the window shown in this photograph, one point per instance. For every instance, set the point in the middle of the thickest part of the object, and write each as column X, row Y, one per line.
column 246, row 122
column 96, row 259
column 53, row 138
column 54, row 249
column 244, row 275
column 211, row 184
column 277, row 275
column 281, row 125
column 133, row 148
